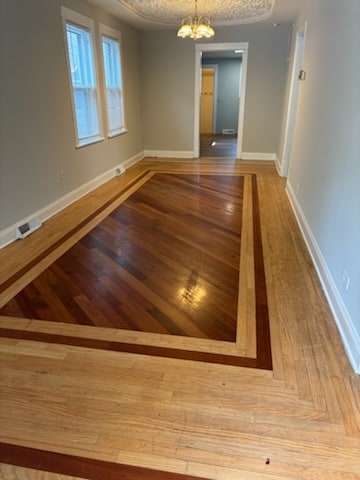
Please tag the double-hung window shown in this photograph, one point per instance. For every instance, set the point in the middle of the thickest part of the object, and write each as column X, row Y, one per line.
column 79, row 35
column 111, row 56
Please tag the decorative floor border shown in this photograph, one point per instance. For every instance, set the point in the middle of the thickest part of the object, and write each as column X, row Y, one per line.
column 263, row 358
column 87, row 468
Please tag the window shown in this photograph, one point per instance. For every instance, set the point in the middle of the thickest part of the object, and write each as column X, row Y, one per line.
column 79, row 33
column 110, row 45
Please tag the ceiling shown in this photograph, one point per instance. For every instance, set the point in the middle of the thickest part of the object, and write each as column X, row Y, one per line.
column 167, row 14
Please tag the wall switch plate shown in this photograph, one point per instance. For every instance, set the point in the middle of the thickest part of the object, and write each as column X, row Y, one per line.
column 302, row 75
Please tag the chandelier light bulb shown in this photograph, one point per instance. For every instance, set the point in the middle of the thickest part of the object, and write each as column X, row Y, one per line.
column 195, row 27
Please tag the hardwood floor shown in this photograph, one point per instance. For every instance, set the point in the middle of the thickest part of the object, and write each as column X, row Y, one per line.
column 166, row 261
column 220, row 145
column 300, row 420
column 149, row 265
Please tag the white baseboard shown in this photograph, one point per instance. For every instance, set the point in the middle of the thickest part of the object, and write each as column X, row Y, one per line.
column 258, row 156
column 169, row 153
column 7, row 236
column 348, row 332
column 281, row 168
column 133, row 160
column 278, row 166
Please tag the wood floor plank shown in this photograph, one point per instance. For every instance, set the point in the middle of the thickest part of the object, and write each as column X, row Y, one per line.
column 246, row 315
column 220, row 145
column 15, row 472
column 86, row 468
column 299, row 421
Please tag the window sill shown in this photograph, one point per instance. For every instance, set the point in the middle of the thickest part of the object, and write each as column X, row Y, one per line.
column 88, row 141
column 117, row 133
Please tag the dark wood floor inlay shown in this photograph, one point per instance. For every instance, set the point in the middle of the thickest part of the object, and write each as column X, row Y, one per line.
column 81, row 467
column 18, row 274
column 166, row 261
column 263, row 357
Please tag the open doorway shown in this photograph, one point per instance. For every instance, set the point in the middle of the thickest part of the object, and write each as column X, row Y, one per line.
column 218, row 120
column 293, row 100
column 219, row 103
column 220, row 83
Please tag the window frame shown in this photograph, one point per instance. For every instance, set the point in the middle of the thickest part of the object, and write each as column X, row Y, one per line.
column 112, row 34
column 80, row 21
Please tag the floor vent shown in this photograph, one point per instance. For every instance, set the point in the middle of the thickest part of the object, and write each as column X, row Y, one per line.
column 26, row 228
column 119, row 171
column 228, row 131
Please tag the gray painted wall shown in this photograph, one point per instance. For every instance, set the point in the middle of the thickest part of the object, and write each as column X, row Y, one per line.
column 37, row 134
column 168, row 74
column 325, row 158
column 227, row 111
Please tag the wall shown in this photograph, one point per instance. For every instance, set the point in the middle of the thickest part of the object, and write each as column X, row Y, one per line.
column 227, row 111
column 324, row 173
column 168, row 72
column 37, row 134
column 38, row 161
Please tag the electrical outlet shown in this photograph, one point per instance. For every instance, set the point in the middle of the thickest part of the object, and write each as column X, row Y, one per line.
column 345, row 279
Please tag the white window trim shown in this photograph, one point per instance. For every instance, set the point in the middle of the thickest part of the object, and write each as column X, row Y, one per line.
column 83, row 21
column 116, row 35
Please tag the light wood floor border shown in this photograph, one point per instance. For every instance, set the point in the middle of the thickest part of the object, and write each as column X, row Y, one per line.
column 300, row 421
column 242, row 353
column 246, row 319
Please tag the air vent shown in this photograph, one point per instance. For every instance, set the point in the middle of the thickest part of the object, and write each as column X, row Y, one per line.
column 228, row 131
column 119, row 170
column 28, row 227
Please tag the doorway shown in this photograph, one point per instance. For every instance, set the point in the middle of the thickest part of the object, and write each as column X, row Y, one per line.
column 215, row 142
column 293, row 100
column 220, row 91
column 226, row 136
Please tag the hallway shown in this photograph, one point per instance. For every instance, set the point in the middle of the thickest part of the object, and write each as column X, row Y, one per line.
column 220, row 146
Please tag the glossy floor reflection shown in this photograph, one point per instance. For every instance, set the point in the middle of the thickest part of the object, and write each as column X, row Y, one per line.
column 165, row 261
column 218, row 145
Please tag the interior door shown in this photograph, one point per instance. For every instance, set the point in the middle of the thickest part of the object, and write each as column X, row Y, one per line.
column 207, row 101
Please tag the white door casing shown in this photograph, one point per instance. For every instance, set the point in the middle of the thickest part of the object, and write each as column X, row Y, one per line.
column 220, row 47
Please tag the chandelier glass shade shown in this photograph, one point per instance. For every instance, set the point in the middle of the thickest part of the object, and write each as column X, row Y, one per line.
column 196, row 26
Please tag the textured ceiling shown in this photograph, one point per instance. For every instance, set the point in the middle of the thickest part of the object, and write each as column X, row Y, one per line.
column 220, row 12
column 167, row 14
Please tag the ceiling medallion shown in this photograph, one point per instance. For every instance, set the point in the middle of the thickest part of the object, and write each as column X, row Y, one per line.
column 221, row 12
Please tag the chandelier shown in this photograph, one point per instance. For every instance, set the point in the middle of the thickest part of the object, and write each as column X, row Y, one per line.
column 195, row 27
